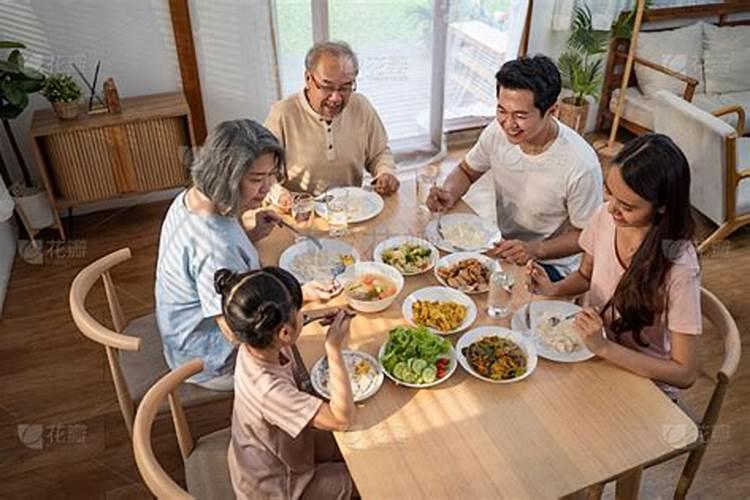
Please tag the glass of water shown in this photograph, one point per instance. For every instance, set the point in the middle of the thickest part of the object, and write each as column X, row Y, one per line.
column 303, row 211
column 500, row 294
column 336, row 213
column 426, row 179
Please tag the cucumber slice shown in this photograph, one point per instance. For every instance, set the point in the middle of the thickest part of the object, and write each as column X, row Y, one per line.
column 417, row 365
column 429, row 374
column 410, row 377
column 399, row 369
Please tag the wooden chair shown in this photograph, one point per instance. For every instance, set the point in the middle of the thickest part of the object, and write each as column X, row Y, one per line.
column 134, row 350
column 717, row 314
column 723, row 322
column 719, row 159
column 206, row 470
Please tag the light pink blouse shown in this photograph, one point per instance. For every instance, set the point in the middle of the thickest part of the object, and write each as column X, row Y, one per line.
column 682, row 311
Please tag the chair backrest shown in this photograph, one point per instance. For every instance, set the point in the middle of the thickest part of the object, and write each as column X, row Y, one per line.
column 722, row 320
column 154, row 475
column 112, row 340
column 705, row 140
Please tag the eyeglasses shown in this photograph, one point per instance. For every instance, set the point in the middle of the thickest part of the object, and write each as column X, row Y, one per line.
column 327, row 89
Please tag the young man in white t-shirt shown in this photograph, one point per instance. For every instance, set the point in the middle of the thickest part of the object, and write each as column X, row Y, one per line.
column 548, row 180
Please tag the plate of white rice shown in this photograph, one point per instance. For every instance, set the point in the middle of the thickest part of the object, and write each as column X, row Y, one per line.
column 555, row 341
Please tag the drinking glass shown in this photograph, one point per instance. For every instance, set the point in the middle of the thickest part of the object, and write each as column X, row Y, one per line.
column 500, row 294
column 303, row 211
column 426, row 179
column 336, row 213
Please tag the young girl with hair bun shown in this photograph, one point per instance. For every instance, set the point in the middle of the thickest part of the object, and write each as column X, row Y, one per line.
column 278, row 449
column 640, row 268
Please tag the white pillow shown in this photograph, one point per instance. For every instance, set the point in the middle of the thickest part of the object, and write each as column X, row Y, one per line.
column 680, row 50
column 727, row 59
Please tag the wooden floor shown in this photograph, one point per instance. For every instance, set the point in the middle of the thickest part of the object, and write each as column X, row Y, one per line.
column 62, row 434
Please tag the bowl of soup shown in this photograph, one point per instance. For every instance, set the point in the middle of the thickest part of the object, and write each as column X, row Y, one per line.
column 373, row 286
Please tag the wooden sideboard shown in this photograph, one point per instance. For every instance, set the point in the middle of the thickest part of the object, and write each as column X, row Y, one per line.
column 106, row 156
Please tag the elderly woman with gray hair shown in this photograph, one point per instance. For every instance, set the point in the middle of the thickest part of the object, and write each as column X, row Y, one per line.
column 202, row 233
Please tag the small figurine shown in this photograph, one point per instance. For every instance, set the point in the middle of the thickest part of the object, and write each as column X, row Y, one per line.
column 111, row 96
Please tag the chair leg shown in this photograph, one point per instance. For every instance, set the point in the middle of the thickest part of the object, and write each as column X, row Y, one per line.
column 628, row 486
column 688, row 472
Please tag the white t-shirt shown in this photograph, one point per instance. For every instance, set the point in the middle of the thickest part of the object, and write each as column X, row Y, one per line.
column 540, row 196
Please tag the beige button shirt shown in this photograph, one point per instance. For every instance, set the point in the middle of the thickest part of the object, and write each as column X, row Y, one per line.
column 323, row 153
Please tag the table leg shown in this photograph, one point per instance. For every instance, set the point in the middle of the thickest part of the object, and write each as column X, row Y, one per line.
column 629, row 485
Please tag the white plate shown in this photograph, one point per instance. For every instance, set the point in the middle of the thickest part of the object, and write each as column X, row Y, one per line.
column 556, row 307
column 322, row 272
column 451, row 355
column 363, row 205
column 487, row 229
column 454, row 258
column 377, row 254
column 443, row 294
column 479, row 333
column 366, row 388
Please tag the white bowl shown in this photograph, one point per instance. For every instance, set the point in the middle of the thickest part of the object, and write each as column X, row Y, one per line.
column 526, row 345
column 377, row 254
column 454, row 258
column 445, row 294
column 369, row 306
column 453, row 363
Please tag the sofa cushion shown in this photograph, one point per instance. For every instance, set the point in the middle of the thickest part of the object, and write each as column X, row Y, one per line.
column 680, row 50
column 726, row 55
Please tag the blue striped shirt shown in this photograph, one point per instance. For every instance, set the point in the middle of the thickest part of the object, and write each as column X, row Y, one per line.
column 192, row 248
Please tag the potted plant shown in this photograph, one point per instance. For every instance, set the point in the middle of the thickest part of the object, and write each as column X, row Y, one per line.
column 17, row 82
column 63, row 92
column 581, row 68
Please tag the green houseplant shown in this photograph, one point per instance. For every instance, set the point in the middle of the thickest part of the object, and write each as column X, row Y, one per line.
column 581, row 67
column 17, row 82
column 63, row 92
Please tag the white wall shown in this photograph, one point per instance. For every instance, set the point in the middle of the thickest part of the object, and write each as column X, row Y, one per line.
column 134, row 41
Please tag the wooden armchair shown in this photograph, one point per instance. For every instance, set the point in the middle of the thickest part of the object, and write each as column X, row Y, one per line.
column 723, row 322
column 719, row 159
column 206, row 469
column 717, row 314
column 134, row 350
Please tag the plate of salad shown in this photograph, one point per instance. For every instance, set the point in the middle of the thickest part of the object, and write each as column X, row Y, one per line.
column 409, row 254
column 416, row 357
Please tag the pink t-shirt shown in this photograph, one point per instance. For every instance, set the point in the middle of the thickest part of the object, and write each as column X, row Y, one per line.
column 272, row 451
column 682, row 311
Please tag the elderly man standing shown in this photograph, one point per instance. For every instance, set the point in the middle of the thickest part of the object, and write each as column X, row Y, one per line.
column 330, row 133
column 548, row 181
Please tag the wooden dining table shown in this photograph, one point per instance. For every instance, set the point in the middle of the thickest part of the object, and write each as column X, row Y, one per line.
column 565, row 427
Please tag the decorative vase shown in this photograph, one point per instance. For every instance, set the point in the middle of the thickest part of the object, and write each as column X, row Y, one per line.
column 66, row 110
column 573, row 115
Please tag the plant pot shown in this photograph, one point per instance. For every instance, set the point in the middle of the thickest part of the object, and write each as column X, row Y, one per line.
column 36, row 209
column 66, row 110
column 572, row 115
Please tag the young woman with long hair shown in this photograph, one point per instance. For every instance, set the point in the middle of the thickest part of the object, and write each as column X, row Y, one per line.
column 640, row 267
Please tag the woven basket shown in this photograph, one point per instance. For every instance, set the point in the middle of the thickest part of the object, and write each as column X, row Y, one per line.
column 573, row 116
column 66, row 110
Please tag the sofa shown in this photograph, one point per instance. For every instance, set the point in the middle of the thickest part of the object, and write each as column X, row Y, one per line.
column 704, row 64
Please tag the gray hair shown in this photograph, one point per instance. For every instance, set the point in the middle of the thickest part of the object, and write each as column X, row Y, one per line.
column 332, row 48
column 230, row 150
